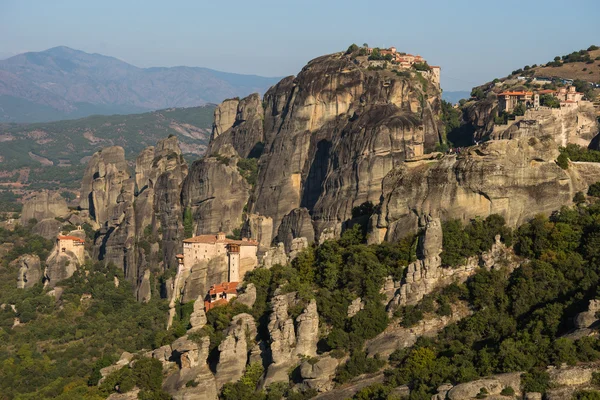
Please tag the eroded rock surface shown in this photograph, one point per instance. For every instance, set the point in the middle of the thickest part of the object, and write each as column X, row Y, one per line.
column 233, row 350
column 44, row 205
column 30, row 271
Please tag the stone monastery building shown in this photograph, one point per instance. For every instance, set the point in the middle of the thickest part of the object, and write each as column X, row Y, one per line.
column 72, row 244
column 240, row 254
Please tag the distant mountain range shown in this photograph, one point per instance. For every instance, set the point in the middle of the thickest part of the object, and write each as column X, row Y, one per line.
column 63, row 83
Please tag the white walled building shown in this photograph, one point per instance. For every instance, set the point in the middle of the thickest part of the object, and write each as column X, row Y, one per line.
column 71, row 244
column 240, row 254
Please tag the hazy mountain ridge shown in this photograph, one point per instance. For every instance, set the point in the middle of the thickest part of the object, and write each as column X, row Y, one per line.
column 76, row 84
column 55, row 151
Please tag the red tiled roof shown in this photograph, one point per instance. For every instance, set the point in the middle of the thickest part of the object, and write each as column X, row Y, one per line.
column 515, row 93
column 208, row 305
column 569, row 101
column 212, row 239
column 224, row 287
column 546, row 91
column 73, row 238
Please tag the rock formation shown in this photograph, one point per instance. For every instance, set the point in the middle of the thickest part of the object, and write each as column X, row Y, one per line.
column 62, row 264
column 289, row 344
column 493, row 385
column 283, row 340
column 191, row 359
column 240, row 123
column 44, row 205
column 216, row 193
column 319, row 375
column 396, row 337
column 233, row 350
column 517, row 179
column 307, row 333
column 135, row 214
column 587, row 318
column 275, row 256
column 30, row 271
column 247, row 296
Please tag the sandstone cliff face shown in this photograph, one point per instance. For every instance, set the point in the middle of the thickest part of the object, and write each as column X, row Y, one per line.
column 239, row 123
column 514, row 178
column 576, row 124
column 234, row 349
column 216, row 193
column 332, row 134
column 44, row 205
column 129, row 209
column 30, row 271
column 289, row 342
column 104, row 178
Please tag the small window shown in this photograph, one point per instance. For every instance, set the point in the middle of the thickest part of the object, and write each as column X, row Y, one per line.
column 64, row 250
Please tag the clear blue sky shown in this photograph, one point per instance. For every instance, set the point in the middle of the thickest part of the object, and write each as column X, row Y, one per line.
column 472, row 40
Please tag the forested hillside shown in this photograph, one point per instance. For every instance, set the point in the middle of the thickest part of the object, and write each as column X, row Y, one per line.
column 518, row 320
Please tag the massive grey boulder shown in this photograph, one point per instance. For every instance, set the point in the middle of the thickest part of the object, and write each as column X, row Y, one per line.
column 283, row 340
column 517, row 179
column 493, row 385
column 30, row 271
column 240, row 124
column 216, row 193
column 319, row 374
column 103, row 180
column 233, row 350
column 333, row 132
column 307, row 332
column 44, row 205
column 191, row 359
column 48, row 228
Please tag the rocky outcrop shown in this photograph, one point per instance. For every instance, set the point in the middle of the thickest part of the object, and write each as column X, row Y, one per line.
column 283, row 340
column 318, row 374
column 275, row 256
column 129, row 211
column 193, row 380
column 233, row 350
column 296, row 224
column 216, row 193
column 198, row 316
column 30, row 271
column 517, row 179
column 354, row 307
column 333, row 132
column 396, row 337
column 426, row 274
column 307, row 332
column 290, row 342
column 239, row 124
column 493, row 385
column 259, row 228
column 48, row 228
column 480, row 117
column 247, row 296
column 104, row 179
column 44, row 205
column 225, row 115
